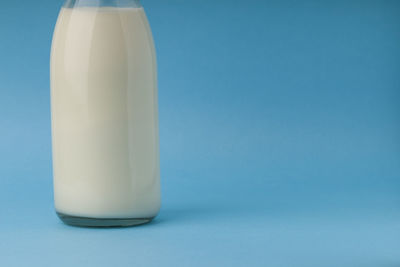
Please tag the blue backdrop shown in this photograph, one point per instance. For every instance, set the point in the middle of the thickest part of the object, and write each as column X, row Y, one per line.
column 279, row 125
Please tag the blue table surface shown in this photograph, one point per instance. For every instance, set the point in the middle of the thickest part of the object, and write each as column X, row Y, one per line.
column 207, row 229
column 279, row 130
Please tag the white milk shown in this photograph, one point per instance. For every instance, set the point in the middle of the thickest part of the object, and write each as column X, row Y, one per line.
column 104, row 114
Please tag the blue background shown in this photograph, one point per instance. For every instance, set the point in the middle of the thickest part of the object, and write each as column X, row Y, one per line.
column 279, row 125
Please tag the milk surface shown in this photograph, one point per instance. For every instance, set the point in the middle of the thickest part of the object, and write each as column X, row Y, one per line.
column 104, row 114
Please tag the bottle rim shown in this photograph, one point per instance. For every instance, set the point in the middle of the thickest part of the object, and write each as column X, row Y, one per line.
column 102, row 3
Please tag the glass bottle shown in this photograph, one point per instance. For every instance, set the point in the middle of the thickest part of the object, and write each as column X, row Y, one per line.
column 104, row 114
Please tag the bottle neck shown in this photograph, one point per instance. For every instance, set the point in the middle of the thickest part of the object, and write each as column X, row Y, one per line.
column 102, row 3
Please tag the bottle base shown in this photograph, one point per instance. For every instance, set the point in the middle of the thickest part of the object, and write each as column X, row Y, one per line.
column 101, row 222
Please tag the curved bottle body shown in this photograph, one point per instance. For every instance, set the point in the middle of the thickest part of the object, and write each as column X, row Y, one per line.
column 104, row 113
